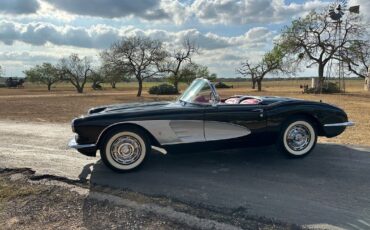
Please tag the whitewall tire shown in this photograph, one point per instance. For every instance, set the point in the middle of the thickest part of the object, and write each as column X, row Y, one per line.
column 124, row 149
column 298, row 137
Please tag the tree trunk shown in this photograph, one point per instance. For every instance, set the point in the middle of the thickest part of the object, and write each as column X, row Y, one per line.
column 320, row 82
column 49, row 86
column 367, row 84
column 176, row 85
column 367, row 81
column 253, row 83
column 113, row 84
column 259, row 85
column 80, row 89
column 140, row 88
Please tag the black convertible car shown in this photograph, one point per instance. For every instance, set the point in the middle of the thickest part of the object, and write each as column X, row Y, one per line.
column 125, row 133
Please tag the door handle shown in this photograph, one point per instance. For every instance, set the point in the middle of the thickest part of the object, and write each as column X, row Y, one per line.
column 258, row 110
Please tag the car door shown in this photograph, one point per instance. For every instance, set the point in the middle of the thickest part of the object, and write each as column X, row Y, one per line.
column 224, row 121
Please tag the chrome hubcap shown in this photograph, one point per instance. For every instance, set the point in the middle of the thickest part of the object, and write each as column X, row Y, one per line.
column 125, row 150
column 298, row 137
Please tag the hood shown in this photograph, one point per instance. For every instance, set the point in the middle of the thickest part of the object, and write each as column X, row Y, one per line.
column 129, row 107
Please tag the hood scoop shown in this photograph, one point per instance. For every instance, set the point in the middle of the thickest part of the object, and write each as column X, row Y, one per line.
column 96, row 110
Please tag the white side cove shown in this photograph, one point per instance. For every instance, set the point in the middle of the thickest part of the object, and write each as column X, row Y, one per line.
column 169, row 132
column 214, row 130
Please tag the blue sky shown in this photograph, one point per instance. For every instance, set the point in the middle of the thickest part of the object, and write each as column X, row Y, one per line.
column 227, row 31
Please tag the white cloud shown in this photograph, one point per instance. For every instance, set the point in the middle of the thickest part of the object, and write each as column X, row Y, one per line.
column 154, row 11
column 49, row 42
column 250, row 11
column 102, row 36
column 33, row 31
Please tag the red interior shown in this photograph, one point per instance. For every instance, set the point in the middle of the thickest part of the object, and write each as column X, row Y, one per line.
column 251, row 101
column 246, row 101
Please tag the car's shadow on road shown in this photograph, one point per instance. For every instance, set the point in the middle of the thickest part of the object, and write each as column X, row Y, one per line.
column 261, row 180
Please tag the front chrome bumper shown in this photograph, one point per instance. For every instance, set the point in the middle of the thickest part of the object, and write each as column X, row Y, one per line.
column 73, row 144
column 348, row 123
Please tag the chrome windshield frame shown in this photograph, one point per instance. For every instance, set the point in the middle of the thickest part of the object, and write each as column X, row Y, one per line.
column 215, row 99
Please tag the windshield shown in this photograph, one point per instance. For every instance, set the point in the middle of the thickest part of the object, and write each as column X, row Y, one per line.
column 200, row 91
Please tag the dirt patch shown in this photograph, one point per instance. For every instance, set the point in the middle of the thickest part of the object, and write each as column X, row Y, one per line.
column 26, row 202
column 61, row 108
column 39, row 206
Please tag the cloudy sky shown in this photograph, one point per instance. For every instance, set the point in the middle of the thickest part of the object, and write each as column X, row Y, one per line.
column 227, row 31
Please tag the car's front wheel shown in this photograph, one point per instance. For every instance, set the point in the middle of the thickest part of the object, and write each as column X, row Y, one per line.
column 298, row 137
column 124, row 149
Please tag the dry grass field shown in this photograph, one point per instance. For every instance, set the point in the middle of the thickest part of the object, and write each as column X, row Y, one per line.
column 34, row 103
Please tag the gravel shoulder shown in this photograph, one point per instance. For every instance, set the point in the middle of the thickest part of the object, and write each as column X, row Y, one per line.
column 32, row 202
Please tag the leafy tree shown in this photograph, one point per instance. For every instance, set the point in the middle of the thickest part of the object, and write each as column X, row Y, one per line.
column 114, row 75
column 357, row 58
column 140, row 56
column 272, row 62
column 96, row 78
column 76, row 70
column 311, row 39
column 247, row 69
column 192, row 71
column 212, row 77
column 46, row 74
column 175, row 60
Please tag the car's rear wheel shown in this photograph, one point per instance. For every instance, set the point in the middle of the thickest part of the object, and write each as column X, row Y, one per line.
column 124, row 149
column 298, row 137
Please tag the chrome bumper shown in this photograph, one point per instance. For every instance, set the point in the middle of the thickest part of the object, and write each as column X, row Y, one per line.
column 73, row 144
column 348, row 123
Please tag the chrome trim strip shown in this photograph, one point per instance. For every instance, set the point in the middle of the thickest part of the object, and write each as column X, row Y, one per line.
column 348, row 123
column 161, row 130
column 158, row 149
column 169, row 132
column 73, row 144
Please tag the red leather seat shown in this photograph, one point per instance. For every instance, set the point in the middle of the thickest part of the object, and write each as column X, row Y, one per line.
column 250, row 101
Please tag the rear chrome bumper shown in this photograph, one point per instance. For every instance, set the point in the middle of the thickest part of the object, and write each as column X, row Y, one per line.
column 343, row 124
column 73, row 144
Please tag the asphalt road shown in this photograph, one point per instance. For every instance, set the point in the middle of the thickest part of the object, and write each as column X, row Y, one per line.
column 331, row 186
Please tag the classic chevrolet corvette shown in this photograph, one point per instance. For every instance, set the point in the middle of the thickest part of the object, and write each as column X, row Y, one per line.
column 125, row 133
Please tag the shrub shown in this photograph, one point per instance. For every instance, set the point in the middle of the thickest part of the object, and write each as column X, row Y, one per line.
column 221, row 85
column 163, row 89
column 328, row 88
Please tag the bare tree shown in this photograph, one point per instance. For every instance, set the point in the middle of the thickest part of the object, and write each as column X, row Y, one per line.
column 140, row 56
column 247, row 69
column 113, row 75
column 177, row 58
column 272, row 62
column 76, row 70
column 96, row 77
column 357, row 58
column 313, row 38
column 46, row 74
